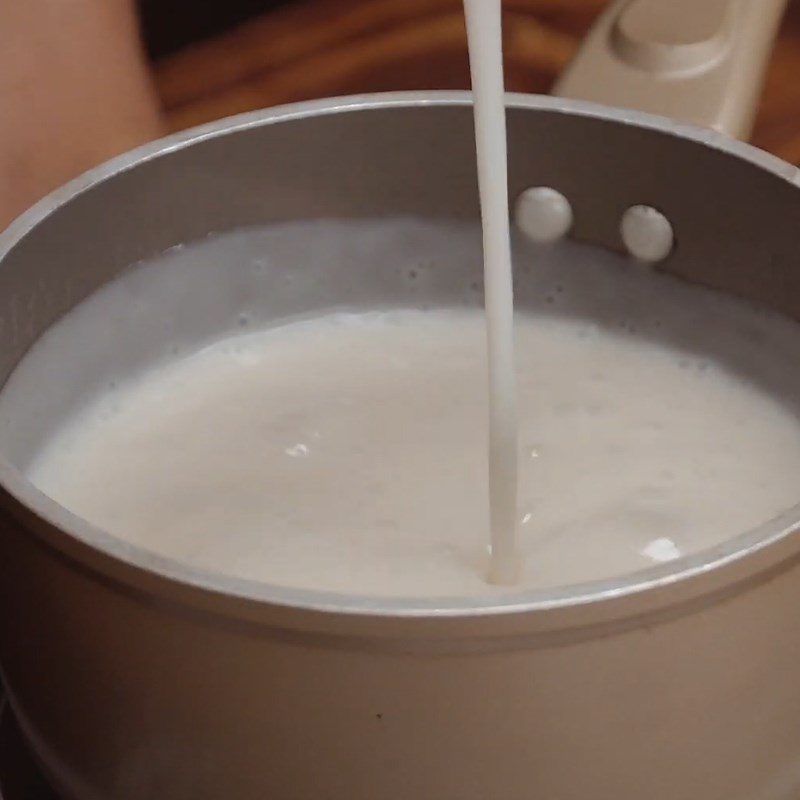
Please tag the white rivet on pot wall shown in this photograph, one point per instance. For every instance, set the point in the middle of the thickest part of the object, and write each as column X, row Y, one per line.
column 543, row 214
column 647, row 233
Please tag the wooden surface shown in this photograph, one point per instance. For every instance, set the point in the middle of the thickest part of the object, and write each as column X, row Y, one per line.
column 318, row 48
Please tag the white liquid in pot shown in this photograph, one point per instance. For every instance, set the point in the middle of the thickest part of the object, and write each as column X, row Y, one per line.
column 347, row 452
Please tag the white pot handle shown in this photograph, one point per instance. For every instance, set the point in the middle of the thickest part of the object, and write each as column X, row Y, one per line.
column 701, row 61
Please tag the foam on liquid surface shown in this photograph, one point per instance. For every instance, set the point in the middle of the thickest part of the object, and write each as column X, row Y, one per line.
column 346, row 451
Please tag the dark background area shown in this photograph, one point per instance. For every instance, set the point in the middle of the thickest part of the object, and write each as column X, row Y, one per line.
column 214, row 58
column 169, row 25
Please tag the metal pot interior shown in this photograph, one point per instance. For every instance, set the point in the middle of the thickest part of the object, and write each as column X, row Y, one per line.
column 306, row 185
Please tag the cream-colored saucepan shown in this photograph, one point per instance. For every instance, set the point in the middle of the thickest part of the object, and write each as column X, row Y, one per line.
column 133, row 677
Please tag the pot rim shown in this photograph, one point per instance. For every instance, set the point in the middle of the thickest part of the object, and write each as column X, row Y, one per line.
column 715, row 573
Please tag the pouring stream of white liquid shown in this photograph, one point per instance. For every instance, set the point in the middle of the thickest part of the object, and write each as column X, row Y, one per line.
column 484, row 32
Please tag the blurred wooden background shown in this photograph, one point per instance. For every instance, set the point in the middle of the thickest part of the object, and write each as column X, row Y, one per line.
column 317, row 48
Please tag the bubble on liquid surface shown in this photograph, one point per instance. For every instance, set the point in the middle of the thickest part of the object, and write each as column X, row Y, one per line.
column 298, row 450
column 661, row 550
